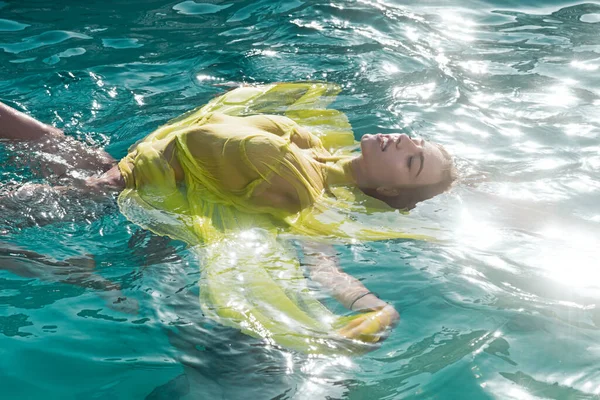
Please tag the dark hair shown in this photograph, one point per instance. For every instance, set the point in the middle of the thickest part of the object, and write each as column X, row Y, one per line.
column 410, row 196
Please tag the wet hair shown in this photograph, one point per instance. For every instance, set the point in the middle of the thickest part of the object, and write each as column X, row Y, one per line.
column 410, row 196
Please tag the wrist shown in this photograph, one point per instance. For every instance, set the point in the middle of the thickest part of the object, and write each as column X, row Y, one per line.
column 370, row 303
column 367, row 302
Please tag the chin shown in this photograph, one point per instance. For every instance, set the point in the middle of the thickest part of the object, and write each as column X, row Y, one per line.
column 369, row 146
column 366, row 139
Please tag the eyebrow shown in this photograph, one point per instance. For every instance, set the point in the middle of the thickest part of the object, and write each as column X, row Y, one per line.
column 422, row 157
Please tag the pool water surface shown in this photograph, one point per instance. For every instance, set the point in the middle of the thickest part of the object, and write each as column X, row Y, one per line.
column 506, row 307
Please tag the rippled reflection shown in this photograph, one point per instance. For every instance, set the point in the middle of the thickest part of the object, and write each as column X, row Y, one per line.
column 505, row 306
column 477, row 232
column 458, row 27
column 571, row 257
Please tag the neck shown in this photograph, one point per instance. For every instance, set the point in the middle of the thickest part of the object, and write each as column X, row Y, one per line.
column 339, row 170
column 357, row 165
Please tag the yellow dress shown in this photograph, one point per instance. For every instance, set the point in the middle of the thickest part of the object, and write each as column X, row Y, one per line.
column 235, row 177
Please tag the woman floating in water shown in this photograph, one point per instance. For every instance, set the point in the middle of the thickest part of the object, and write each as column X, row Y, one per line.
column 239, row 177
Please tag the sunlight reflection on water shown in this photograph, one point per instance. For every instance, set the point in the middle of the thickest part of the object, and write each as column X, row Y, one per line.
column 506, row 306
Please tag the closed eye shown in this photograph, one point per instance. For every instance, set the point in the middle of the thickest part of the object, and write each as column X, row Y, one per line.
column 410, row 162
column 422, row 158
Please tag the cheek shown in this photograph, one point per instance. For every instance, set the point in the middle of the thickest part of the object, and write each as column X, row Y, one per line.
column 388, row 169
column 397, row 171
column 372, row 155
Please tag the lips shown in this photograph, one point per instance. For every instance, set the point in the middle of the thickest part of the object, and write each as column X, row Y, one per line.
column 383, row 141
column 386, row 140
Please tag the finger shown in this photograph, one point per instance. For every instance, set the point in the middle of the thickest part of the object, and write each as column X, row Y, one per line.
column 366, row 332
column 365, row 335
column 350, row 331
column 353, row 333
column 345, row 331
column 383, row 318
column 367, row 327
column 351, row 325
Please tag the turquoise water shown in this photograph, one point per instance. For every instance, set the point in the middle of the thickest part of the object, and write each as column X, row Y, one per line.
column 507, row 309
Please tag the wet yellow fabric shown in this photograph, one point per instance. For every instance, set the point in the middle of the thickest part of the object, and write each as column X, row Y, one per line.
column 235, row 176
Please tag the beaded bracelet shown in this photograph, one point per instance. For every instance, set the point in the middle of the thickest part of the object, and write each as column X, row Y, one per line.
column 360, row 297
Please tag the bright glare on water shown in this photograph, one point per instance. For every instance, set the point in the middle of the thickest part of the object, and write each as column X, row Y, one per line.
column 506, row 307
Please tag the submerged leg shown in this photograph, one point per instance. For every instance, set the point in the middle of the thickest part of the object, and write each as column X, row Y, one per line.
column 39, row 204
column 78, row 271
column 19, row 126
column 48, row 151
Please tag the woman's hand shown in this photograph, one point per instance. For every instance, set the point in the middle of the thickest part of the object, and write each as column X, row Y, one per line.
column 372, row 326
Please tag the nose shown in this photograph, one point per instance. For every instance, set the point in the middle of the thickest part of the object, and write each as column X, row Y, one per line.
column 406, row 143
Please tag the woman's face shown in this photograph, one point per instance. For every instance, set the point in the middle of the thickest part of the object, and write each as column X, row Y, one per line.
column 396, row 160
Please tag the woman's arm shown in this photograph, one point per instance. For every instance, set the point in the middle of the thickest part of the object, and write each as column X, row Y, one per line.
column 19, row 126
column 322, row 263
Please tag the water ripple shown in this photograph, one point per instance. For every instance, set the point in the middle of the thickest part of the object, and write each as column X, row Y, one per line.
column 512, row 90
column 7, row 25
column 193, row 8
column 38, row 41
